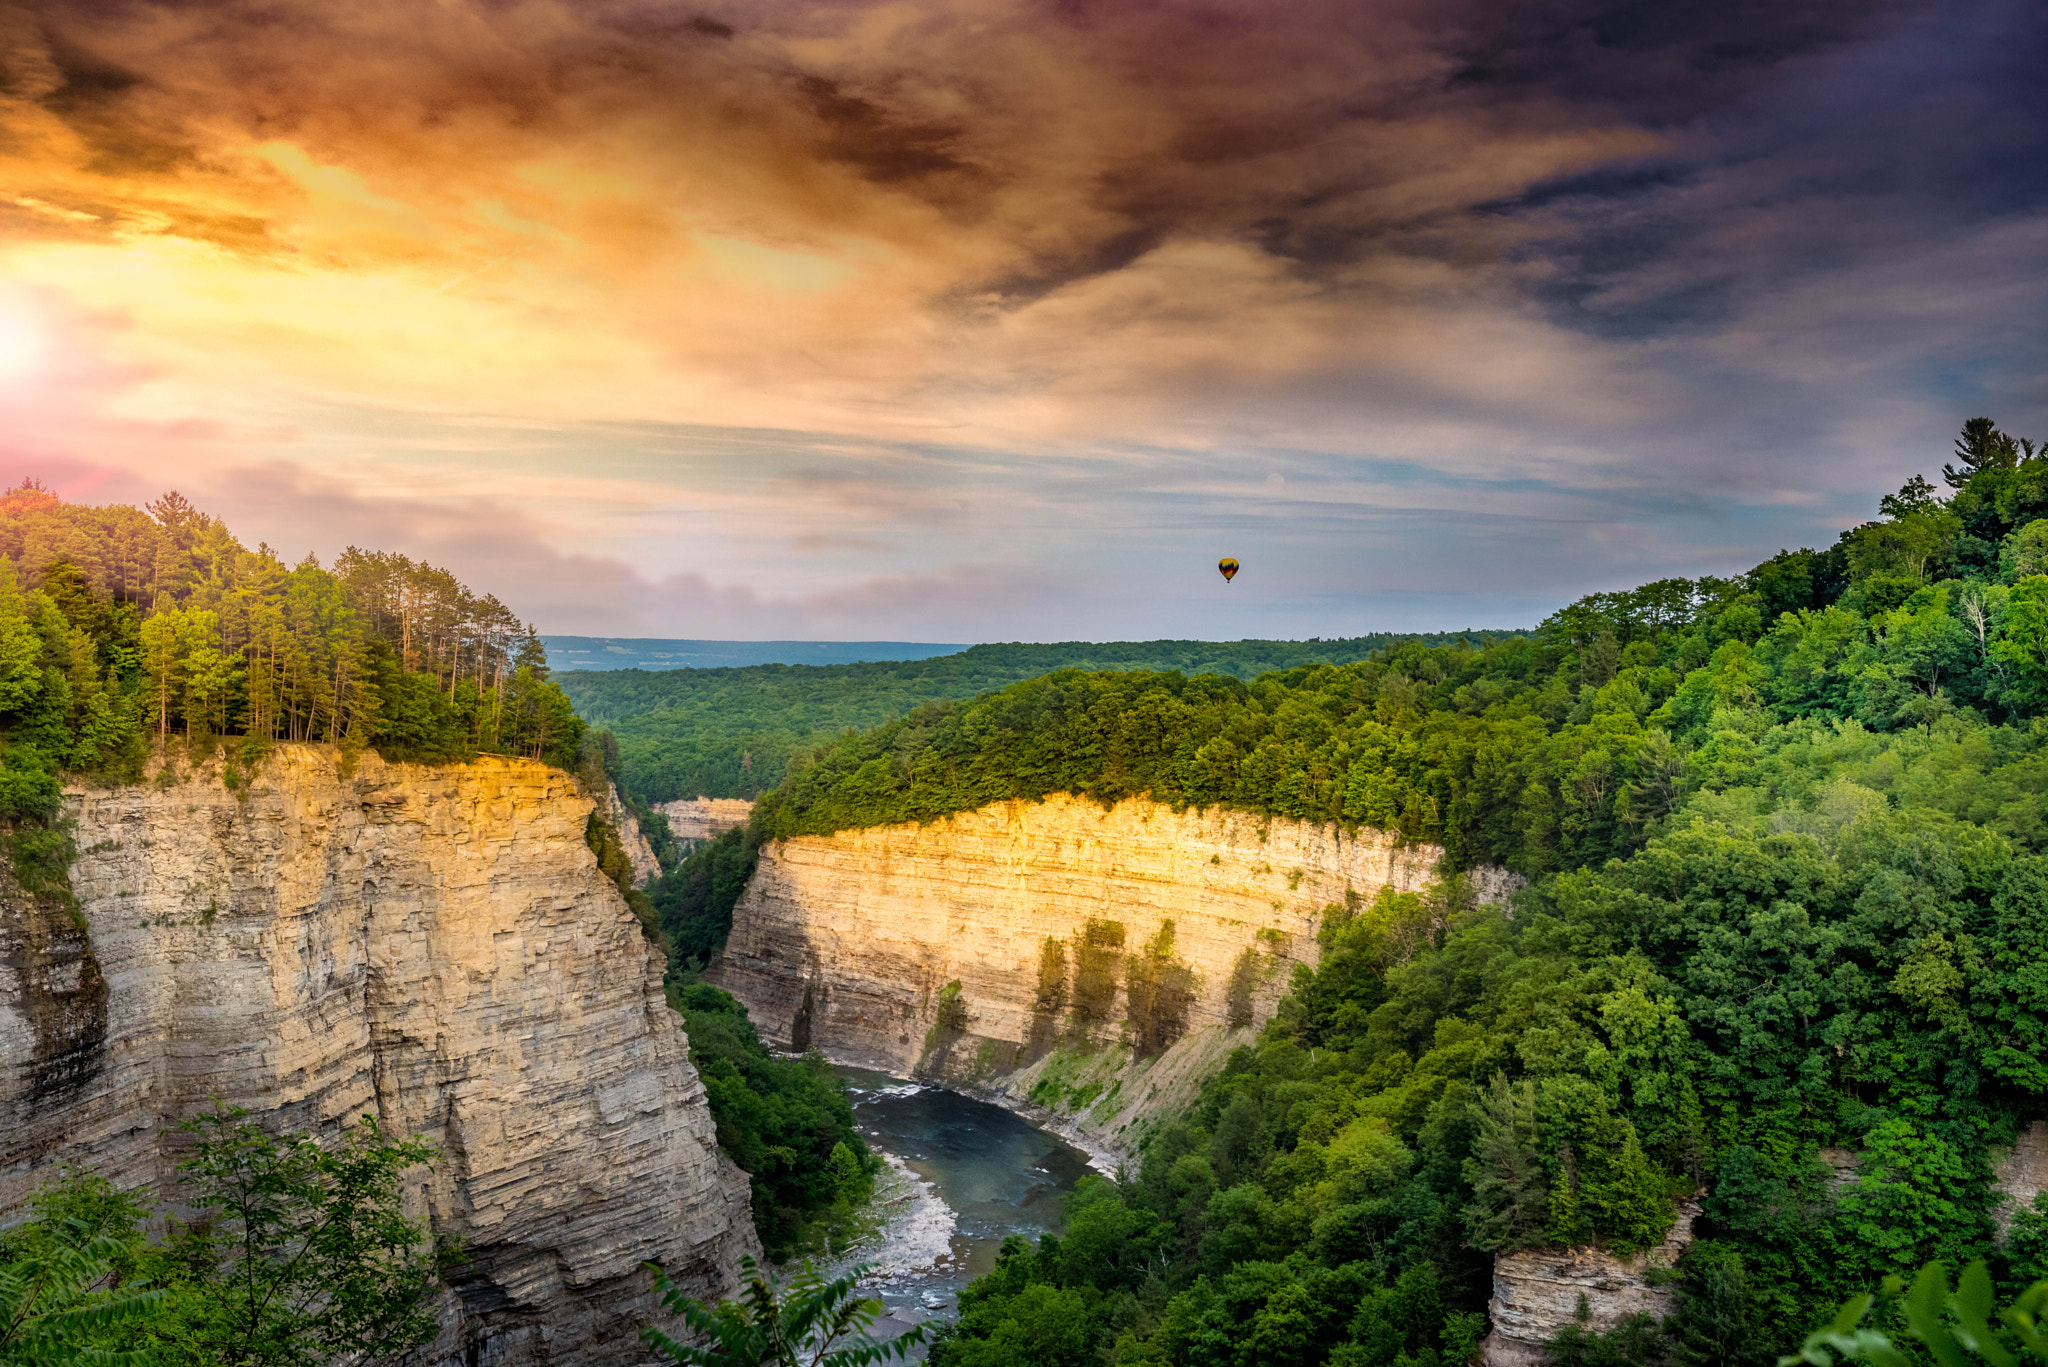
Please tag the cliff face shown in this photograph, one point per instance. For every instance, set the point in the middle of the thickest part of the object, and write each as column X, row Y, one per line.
column 433, row 945
column 2021, row 1175
column 1536, row 1292
column 849, row 942
column 705, row 818
column 639, row 853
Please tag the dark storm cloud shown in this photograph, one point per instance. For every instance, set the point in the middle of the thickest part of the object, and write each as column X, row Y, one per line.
column 1319, row 131
column 1551, row 295
column 1939, row 122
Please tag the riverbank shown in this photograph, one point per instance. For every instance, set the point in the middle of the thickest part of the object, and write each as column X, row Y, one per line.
column 964, row 1173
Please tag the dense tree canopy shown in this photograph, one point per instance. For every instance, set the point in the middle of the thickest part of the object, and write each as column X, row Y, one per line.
column 1788, row 859
column 734, row 732
column 284, row 1251
column 786, row 1121
column 120, row 627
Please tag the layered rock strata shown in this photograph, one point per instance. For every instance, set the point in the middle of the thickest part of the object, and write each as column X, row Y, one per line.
column 639, row 853
column 705, row 818
column 851, row 942
column 434, row 946
column 1538, row 1291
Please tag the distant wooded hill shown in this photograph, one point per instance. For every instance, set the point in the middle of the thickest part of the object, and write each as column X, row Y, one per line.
column 1786, row 837
column 653, row 652
column 732, row 732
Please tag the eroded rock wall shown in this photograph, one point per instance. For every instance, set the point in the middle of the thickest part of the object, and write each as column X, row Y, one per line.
column 1538, row 1291
column 705, row 818
column 2021, row 1175
column 639, row 853
column 848, row 942
column 431, row 945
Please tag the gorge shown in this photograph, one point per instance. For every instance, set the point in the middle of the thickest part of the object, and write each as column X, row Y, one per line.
column 968, row 949
column 323, row 936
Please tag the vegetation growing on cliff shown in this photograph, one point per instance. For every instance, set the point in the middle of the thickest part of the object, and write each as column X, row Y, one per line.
column 1790, row 857
column 736, row 732
column 697, row 896
column 786, row 1122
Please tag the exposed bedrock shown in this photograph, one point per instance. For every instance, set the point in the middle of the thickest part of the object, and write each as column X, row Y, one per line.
column 704, row 818
column 435, row 946
column 1538, row 1291
column 851, row 942
column 632, row 839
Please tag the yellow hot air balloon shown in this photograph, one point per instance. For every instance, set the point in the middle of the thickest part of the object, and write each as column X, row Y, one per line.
column 1228, row 567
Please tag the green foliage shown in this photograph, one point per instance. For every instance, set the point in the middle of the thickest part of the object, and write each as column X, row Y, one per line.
column 787, row 1122
column 602, row 837
column 1787, row 838
column 308, row 1254
column 1510, row 1198
column 695, row 898
column 1957, row 1328
column 62, row 1298
column 297, row 1254
column 1237, row 996
column 117, row 626
column 949, row 1012
column 1098, row 953
column 738, row 732
column 2026, row 1244
column 1159, row 988
column 773, row 1324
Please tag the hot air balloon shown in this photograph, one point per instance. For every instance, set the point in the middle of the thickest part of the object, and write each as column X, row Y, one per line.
column 1228, row 568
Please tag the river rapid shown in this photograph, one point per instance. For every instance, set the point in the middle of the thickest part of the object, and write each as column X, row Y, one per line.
column 963, row 1174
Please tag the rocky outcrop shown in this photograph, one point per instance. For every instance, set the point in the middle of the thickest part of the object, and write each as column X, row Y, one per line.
column 1538, row 1291
column 990, row 941
column 431, row 945
column 2021, row 1175
column 705, row 818
column 639, row 853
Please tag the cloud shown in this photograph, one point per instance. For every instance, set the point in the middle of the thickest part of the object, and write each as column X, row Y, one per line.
column 820, row 316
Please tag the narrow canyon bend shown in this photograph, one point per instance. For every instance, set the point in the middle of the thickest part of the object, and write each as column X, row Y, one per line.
column 434, row 946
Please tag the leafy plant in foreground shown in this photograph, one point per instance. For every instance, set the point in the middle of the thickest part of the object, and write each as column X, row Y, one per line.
column 1958, row 1328
column 307, row 1257
column 792, row 1324
column 57, row 1301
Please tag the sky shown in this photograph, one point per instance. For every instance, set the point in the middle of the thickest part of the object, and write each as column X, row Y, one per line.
column 1004, row 319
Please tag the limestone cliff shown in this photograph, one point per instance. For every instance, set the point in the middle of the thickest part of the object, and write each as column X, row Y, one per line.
column 434, row 945
column 704, row 818
column 1538, row 1291
column 639, row 853
column 853, row 942
column 2021, row 1175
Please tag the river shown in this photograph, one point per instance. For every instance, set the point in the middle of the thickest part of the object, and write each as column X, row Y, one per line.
column 963, row 1174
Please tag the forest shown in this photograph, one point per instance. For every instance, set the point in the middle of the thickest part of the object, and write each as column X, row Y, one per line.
column 1785, row 838
column 122, row 627
column 734, row 732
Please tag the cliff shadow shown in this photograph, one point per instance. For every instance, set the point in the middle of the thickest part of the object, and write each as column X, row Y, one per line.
column 59, row 991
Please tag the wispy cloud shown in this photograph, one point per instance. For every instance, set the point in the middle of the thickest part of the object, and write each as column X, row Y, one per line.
column 994, row 316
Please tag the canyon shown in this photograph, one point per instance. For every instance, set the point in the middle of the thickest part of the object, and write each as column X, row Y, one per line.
column 328, row 936
column 929, row 950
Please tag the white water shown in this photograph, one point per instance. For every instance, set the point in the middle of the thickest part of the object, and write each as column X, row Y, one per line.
column 962, row 1175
